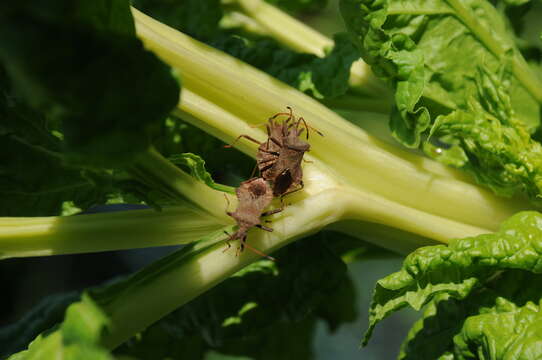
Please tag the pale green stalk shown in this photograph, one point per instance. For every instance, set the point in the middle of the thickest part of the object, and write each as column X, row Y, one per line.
column 352, row 180
column 300, row 37
column 174, row 283
column 169, row 287
column 285, row 28
column 183, row 223
column 224, row 96
column 56, row 235
column 238, row 20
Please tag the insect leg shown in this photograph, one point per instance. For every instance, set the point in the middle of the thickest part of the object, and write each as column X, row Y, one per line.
column 301, row 186
column 278, row 143
column 264, row 227
column 270, row 152
column 243, row 136
column 267, row 167
column 306, row 126
column 227, row 241
column 254, row 170
column 274, row 211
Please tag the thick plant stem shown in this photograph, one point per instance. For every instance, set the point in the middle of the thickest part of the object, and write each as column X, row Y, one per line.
column 282, row 26
column 56, row 235
column 165, row 176
column 175, row 281
column 298, row 36
column 218, row 89
column 184, row 223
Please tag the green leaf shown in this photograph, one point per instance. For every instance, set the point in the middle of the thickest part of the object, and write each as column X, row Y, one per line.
column 413, row 45
column 455, row 68
column 320, row 77
column 491, row 145
column 31, row 146
column 77, row 338
column 460, row 267
column 45, row 315
column 511, row 332
column 225, row 165
column 95, row 78
column 494, row 322
column 196, row 166
column 197, row 18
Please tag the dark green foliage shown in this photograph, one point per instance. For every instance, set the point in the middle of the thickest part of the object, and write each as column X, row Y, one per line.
column 49, row 312
column 35, row 180
column 78, row 93
column 81, row 64
column 320, row 77
column 76, row 338
column 197, row 18
column 300, row 6
column 266, row 311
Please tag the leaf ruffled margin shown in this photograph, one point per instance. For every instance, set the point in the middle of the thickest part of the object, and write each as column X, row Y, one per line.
column 473, row 274
column 77, row 338
column 454, row 68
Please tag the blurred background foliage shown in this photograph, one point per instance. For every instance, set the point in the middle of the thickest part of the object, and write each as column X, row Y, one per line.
column 324, row 326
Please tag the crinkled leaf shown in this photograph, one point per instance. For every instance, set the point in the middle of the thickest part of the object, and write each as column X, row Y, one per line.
column 512, row 332
column 447, row 60
column 259, row 308
column 81, row 64
column 320, row 77
column 460, row 267
column 430, row 52
column 76, row 338
column 492, row 145
column 496, row 320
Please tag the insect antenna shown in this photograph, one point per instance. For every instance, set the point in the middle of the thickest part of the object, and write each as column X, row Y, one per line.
column 258, row 252
column 307, row 126
column 290, row 114
column 242, row 136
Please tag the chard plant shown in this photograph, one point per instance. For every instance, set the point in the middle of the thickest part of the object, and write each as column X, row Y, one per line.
column 109, row 102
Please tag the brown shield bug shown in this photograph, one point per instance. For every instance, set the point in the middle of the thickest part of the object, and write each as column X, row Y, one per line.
column 254, row 196
column 279, row 157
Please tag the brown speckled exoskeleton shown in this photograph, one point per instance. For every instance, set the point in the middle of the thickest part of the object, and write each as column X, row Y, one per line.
column 254, row 195
column 279, row 157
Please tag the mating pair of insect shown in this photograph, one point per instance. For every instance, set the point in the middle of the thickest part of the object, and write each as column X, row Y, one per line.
column 278, row 161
